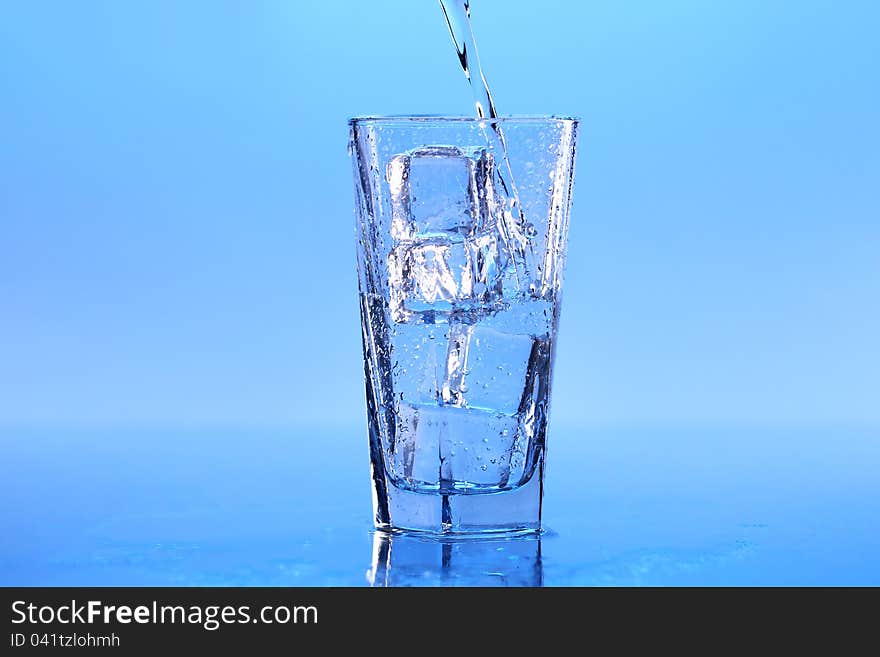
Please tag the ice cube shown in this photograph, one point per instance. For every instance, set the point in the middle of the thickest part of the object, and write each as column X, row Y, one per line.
column 441, row 445
column 427, row 276
column 433, row 192
column 451, row 227
column 433, row 277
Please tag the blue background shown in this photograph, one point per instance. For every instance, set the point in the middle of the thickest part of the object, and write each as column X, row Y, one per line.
column 177, row 257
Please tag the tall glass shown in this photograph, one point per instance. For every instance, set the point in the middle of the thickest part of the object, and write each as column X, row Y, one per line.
column 462, row 227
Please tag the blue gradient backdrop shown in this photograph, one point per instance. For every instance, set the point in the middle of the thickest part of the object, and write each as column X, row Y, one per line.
column 176, row 231
column 181, row 396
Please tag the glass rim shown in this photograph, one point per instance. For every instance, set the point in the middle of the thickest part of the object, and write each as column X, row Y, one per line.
column 441, row 118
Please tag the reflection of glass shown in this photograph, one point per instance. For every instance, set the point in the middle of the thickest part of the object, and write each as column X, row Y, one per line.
column 407, row 560
column 460, row 286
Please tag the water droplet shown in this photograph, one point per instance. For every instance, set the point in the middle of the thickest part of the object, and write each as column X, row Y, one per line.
column 484, row 467
column 531, row 231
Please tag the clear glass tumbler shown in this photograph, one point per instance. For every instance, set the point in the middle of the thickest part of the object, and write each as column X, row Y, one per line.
column 462, row 226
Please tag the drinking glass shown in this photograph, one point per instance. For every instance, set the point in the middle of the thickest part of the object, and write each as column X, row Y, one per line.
column 462, row 226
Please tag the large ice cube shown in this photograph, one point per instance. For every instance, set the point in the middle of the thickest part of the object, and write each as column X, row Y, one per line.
column 451, row 239
column 441, row 445
column 434, row 192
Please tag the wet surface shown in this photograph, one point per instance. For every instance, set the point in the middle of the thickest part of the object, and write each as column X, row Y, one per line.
column 292, row 508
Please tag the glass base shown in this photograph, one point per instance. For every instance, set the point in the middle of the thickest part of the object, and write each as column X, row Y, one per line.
column 508, row 512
